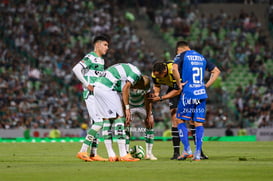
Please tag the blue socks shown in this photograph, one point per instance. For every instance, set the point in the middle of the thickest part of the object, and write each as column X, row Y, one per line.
column 199, row 136
column 183, row 134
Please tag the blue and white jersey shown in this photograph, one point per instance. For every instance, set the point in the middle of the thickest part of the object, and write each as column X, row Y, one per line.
column 192, row 66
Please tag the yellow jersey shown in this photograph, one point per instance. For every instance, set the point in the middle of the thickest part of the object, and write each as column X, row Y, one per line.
column 168, row 80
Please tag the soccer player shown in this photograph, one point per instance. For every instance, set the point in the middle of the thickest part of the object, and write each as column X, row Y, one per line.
column 141, row 107
column 87, row 71
column 162, row 75
column 118, row 78
column 189, row 67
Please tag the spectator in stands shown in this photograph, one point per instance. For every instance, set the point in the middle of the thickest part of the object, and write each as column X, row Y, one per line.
column 64, row 31
column 241, row 131
column 55, row 132
column 229, row 131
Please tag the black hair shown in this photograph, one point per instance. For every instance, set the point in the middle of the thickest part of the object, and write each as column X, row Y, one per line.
column 159, row 67
column 181, row 44
column 102, row 37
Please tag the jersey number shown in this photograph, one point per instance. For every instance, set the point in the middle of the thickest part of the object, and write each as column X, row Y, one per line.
column 197, row 75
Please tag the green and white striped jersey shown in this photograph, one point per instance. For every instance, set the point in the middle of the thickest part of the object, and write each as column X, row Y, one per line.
column 115, row 77
column 137, row 97
column 93, row 67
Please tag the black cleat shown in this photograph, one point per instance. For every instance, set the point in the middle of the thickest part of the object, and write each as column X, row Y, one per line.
column 175, row 156
column 203, row 156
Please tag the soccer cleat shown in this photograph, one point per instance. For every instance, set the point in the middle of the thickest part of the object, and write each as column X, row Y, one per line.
column 83, row 156
column 203, row 156
column 196, row 159
column 128, row 158
column 98, row 158
column 175, row 156
column 113, row 159
column 197, row 156
column 150, row 157
column 184, row 156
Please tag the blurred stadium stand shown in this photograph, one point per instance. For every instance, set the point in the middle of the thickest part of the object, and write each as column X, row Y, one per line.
column 40, row 41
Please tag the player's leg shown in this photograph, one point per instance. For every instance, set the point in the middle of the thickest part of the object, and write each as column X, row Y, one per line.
column 127, row 138
column 184, row 114
column 173, row 102
column 149, row 138
column 120, row 135
column 193, row 132
column 107, row 135
column 183, row 134
column 96, row 125
column 199, row 119
column 199, row 136
column 91, row 134
column 94, row 146
column 175, row 135
column 82, row 154
column 128, row 129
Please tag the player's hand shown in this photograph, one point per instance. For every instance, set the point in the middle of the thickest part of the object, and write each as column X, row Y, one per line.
column 127, row 123
column 90, row 88
column 128, row 117
column 182, row 84
column 153, row 98
column 149, row 122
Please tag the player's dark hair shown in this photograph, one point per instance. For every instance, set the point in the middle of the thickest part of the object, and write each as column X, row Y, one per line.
column 181, row 44
column 159, row 67
column 102, row 37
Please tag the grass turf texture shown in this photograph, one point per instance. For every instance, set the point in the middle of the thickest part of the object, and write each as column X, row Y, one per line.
column 248, row 161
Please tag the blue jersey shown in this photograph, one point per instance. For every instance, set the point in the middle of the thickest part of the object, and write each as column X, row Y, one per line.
column 192, row 66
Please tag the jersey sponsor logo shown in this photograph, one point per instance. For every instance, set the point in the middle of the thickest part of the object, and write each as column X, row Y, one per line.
column 190, row 101
column 195, row 57
column 199, row 92
column 99, row 73
column 197, row 63
column 195, row 85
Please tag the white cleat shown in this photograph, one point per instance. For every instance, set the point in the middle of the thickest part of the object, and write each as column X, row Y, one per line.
column 150, row 157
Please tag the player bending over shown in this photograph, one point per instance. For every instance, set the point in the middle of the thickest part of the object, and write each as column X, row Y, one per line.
column 109, row 89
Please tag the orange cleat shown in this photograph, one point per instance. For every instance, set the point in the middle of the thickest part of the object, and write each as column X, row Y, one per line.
column 83, row 156
column 113, row 159
column 98, row 158
column 184, row 156
column 128, row 158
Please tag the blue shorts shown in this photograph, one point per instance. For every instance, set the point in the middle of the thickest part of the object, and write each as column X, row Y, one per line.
column 191, row 109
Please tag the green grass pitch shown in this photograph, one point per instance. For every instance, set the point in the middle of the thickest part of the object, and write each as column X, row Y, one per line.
column 228, row 161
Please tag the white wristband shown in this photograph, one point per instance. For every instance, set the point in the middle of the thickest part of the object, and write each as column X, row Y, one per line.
column 127, row 106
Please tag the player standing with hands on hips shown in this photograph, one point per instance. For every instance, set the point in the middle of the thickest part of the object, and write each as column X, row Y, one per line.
column 189, row 67
column 87, row 71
